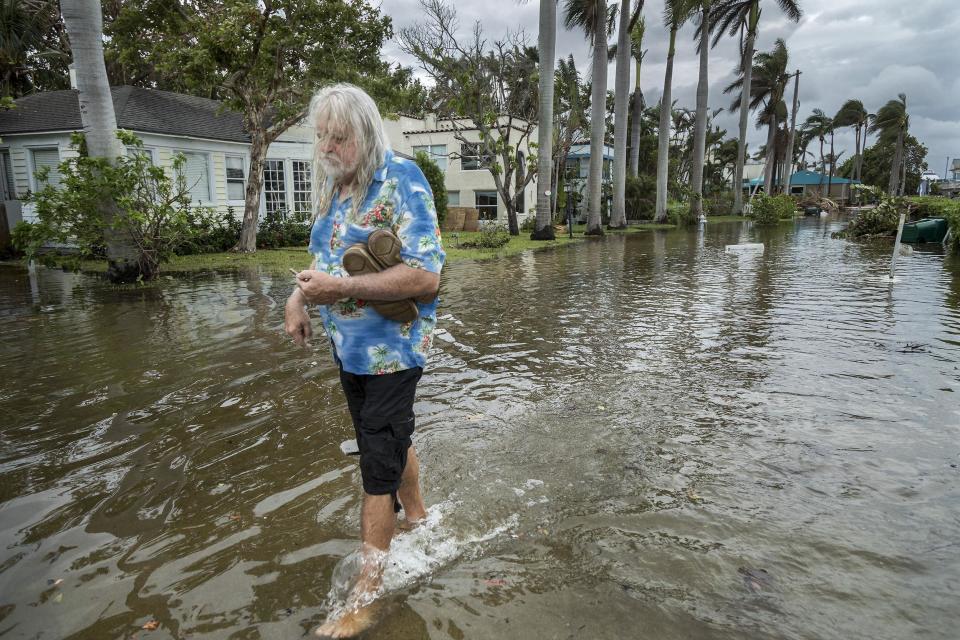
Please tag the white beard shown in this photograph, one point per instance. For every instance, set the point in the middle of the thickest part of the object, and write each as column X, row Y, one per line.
column 332, row 167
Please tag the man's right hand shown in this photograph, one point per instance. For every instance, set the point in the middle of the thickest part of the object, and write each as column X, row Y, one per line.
column 296, row 321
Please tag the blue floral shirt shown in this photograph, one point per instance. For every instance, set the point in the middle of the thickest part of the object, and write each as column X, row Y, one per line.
column 399, row 199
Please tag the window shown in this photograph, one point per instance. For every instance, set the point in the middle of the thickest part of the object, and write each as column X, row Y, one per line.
column 196, row 173
column 148, row 153
column 437, row 153
column 797, row 191
column 302, row 200
column 453, row 198
column 471, row 158
column 486, row 204
column 10, row 190
column 41, row 158
column 572, row 169
column 236, row 178
column 274, row 187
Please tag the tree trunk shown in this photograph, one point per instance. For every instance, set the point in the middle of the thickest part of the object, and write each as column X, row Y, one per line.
column 597, row 126
column 833, row 164
column 893, row 185
column 84, row 23
column 771, row 157
column 635, row 125
column 747, row 63
column 663, row 135
column 788, row 171
column 700, row 125
column 543, row 229
column 251, row 205
column 618, row 217
column 903, row 172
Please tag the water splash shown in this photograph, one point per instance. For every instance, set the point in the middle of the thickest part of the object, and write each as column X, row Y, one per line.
column 414, row 555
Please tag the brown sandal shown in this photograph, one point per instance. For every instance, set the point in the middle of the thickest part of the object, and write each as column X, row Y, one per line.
column 381, row 252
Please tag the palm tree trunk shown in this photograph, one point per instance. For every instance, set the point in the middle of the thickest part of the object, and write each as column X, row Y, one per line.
column 788, row 170
column 903, row 172
column 663, row 136
column 635, row 125
column 700, row 125
column 84, row 23
column 893, row 185
column 597, row 125
column 771, row 157
column 833, row 164
column 547, row 46
column 747, row 63
column 618, row 217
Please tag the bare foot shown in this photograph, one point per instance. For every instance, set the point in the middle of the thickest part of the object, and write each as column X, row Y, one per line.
column 409, row 525
column 350, row 624
column 362, row 604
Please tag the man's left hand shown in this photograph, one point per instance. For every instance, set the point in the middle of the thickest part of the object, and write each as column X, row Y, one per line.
column 319, row 287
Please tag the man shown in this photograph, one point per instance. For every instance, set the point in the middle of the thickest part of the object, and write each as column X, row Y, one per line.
column 361, row 187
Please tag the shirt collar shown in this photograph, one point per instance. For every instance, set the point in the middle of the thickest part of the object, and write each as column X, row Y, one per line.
column 381, row 173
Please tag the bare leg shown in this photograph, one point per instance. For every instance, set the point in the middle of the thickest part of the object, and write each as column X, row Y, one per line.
column 376, row 529
column 409, row 494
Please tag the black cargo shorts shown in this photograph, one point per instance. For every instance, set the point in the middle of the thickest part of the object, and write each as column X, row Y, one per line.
column 382, row 410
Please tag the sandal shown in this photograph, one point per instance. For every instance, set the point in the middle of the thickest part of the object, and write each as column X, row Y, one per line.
column 381, row 252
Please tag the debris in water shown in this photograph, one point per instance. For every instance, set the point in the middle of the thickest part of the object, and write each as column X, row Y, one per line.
column 756, row 580
column 153, row 625
column 55, row 583
column 692, row 495
column 495, row 582
column 745, row 249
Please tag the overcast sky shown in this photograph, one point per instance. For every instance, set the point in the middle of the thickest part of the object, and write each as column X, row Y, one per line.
column 845, row 48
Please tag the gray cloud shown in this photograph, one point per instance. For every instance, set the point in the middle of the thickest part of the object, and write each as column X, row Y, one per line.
column 845, row 49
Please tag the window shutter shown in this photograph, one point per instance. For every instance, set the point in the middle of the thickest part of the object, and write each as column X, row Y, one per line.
column 47, row 158
column 197, row 176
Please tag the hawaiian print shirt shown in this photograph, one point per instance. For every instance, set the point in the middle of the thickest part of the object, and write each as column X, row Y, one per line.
column 399, row 199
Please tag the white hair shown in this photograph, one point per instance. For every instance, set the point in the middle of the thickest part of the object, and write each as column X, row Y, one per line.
column 347, row 108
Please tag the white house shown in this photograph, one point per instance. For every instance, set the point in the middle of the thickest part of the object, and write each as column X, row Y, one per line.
column 468, row 181
column 36, row 133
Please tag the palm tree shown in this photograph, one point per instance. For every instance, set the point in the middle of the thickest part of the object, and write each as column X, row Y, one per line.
column 547, row 38
column 892, row 122
column 819, row 125
column 768, row 83
column 570, row 101
column 675, row 13
column 84, row 23
column 636, row 50
column 618, row 217
column 592, row 16
column 853, row 114
column 742, row 17
column 700, row 125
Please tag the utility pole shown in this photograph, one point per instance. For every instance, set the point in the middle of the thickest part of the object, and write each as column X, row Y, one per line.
column 793, row 130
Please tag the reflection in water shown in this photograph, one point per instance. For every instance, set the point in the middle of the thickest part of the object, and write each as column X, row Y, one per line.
column 637, row 436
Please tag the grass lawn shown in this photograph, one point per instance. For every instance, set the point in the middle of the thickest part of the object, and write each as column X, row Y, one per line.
column 277, row 260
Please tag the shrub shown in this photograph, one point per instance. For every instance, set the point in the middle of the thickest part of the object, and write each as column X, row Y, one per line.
column 434, row 176
column 153, row 209
column 209, row 232
column 488, row 238
column 720, row 204
column 641, row 197
column 767, row 210
column 679, row 213
column 882, row 220
column 278, row 230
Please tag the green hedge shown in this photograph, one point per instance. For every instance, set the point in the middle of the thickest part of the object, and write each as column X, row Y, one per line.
column 766, row 210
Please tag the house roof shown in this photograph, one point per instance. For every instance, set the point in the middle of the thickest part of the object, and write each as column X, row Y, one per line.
column 806, row 178
column 137, row 109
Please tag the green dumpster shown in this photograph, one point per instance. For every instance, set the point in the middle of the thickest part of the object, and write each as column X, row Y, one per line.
column 925, row 230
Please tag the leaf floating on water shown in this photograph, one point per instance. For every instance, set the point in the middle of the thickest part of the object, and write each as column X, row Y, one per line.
column 58, row 598
column 693, row 496
column 55, row 583
column 153, row 625
column 495, row 582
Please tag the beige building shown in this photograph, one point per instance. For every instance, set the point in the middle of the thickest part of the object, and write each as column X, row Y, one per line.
column 469, row 183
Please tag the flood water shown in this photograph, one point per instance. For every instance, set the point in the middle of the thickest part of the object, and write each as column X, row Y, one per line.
column 633, row 437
